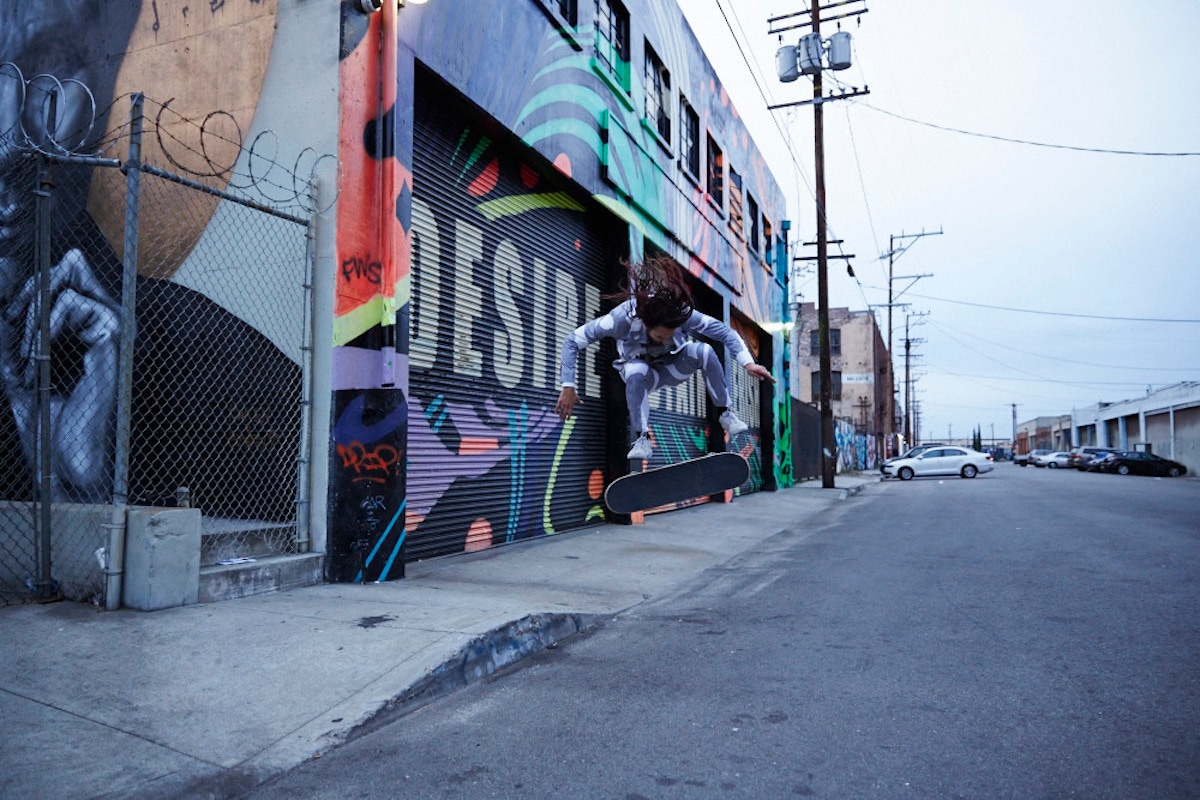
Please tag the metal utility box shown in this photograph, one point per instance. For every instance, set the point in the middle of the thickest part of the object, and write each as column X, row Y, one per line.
column 839, row 51
column 785, row 63
column 162, row 558
column 810, row 51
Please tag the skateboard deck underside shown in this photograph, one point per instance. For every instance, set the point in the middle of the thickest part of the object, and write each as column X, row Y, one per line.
column 676, row 483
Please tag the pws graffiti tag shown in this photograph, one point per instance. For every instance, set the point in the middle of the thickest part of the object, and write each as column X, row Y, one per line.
column 356, row 268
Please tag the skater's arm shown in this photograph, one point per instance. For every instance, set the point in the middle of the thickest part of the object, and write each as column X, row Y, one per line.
column 615, row 323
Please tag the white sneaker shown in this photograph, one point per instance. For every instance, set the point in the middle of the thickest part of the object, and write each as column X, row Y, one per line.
column 641, row 448
column 732, row 425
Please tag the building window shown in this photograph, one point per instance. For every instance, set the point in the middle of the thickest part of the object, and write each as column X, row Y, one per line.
column 755, row 238
column 835, row 386
column 835, row 342
column 612, row 39
column 569, row 11
column 768, row 241
column 736, row 223
column 716, row 174
column 689, row 139
column 658, row 95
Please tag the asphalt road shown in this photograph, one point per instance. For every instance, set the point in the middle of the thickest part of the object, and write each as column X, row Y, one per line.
column 1028, row 633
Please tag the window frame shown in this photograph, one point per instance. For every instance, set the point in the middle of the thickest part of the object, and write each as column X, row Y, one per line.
column 567, row 10
column 737, row 202
column 754, row 238
column 689, row 139
column 612, row 46
column 714, row 182
column 564, row 15
column 656, row 84
column 835, row 341
column 835, row 384
column 768, row 234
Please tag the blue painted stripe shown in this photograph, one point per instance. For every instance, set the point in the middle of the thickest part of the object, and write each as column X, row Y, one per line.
column 387, row 568
column 358, row 578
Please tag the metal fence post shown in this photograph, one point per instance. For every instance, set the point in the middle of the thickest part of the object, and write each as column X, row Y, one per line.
column 132, row 168
column 44, row 584
column 304, row 458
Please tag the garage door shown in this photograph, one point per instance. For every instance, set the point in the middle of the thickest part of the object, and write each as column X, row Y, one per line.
column 507, row 260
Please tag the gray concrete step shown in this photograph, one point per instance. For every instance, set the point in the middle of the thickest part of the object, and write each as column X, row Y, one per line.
column 260, row 576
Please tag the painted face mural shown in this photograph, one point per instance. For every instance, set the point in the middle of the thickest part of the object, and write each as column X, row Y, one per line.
column 211, row 392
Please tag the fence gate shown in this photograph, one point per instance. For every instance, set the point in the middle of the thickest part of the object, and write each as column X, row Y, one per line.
column 152, row 348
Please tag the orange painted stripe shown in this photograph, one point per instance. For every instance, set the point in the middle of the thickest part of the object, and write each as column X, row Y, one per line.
column 473, row 447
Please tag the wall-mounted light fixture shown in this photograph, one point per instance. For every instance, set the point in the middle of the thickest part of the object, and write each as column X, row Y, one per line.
column 371, row 6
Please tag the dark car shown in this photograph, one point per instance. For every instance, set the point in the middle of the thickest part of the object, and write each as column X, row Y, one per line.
column 1080, row 457
column 1136, row 463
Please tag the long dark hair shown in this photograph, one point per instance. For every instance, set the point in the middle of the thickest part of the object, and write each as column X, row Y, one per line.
column 659, row 287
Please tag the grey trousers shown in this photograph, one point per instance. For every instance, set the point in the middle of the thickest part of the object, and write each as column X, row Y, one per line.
column 642, row 377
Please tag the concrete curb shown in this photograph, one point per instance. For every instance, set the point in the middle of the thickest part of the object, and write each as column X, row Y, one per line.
column 479, row 659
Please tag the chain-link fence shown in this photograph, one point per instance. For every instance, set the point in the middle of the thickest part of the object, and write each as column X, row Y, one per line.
column 151, row 349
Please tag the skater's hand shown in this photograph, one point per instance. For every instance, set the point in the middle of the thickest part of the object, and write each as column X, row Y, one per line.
column 567, row 400
column 760, row 372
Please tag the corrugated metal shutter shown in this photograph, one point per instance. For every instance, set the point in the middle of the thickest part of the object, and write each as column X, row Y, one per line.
column 746, row 392
column 506, row 262
column 678, row 422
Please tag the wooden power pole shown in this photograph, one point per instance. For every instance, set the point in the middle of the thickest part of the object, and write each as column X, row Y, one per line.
column 808, row 58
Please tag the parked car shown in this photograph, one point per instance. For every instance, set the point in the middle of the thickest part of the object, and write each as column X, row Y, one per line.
column 940, row 461
column 1080, row 457
column 912, row 452
column 1053, row 460
column 1030, row 458
column 1136, row 463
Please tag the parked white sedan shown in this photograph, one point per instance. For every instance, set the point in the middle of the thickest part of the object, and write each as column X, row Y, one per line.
column 941, row 461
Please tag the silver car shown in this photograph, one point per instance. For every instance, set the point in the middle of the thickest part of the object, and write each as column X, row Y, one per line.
column 941, row 461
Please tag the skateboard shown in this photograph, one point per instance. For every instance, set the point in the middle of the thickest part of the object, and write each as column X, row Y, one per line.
column 675, row 483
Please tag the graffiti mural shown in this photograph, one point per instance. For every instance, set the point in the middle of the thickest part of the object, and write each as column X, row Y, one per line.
column 212, row 381
column 856, row 451
column 371, row 405
column 87, row 246
column 506, row 263
column 370, row 499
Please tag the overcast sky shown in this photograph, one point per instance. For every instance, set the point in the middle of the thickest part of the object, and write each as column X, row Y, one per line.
column 1090, row 240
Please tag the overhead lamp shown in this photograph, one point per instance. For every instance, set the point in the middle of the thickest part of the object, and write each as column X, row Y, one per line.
column 371, row 6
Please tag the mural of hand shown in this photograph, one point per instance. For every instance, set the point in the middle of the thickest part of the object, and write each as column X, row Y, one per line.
column 84, row 322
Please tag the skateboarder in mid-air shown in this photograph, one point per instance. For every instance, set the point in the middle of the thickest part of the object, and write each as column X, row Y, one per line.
column 651, row 327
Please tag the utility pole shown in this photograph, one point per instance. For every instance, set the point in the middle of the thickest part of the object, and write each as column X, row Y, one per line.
column 791, row 61
column 909, row 423
column 893, row 254
column 1014, row 432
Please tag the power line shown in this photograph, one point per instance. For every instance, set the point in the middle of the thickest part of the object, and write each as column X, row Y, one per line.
column 946, row 327
column 1128, row 384
column 1055, row 313
column 762, row 92
column 1010, row 140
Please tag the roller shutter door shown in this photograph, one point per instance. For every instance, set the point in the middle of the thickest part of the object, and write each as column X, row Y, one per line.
column 746, row 393
column 506, row 261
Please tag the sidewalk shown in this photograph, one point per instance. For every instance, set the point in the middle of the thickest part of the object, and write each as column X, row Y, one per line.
column 208, row 700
